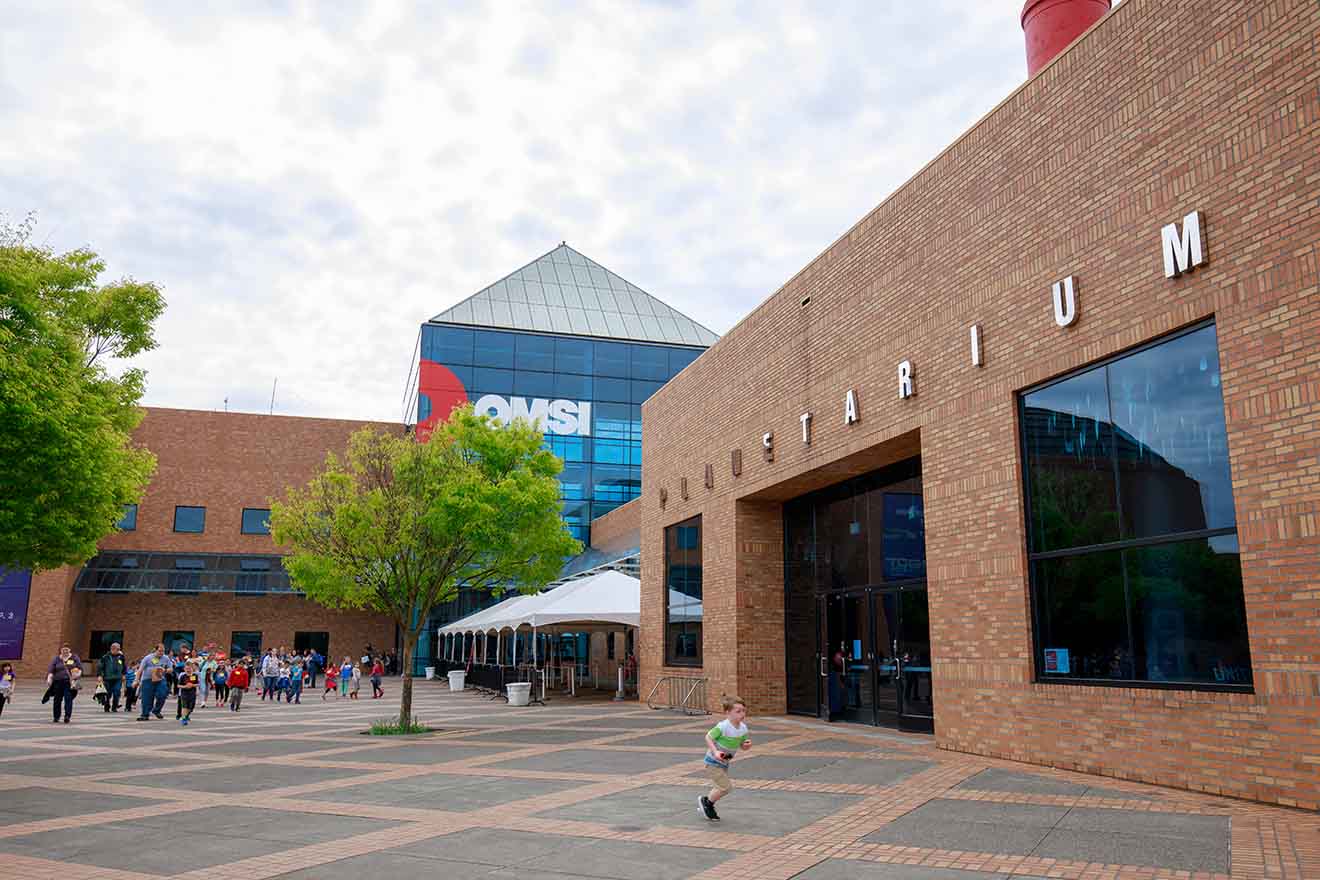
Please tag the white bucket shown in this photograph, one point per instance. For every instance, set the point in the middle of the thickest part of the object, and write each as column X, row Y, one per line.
column 520, row 693
column 457, row 679
column 430, row 672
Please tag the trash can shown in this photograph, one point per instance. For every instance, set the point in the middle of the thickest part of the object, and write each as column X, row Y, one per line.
column 520, row 693
column 430, row 672
column 457, row 679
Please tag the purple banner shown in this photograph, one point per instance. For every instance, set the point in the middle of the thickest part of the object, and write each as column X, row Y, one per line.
column 14, row 588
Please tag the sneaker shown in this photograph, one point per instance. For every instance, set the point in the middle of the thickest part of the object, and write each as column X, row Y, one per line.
column 707, row 808
column 715, row 817
column 140, row 718
column 158, row 715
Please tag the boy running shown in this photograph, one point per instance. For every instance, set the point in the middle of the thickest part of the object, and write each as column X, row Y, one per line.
column 238, row 683
column 189, row 681
column 722, row 742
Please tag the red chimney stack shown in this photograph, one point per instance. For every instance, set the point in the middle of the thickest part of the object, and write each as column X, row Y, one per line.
column 1050, row 25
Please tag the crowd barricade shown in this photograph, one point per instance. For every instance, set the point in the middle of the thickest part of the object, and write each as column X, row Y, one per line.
column 488, row 680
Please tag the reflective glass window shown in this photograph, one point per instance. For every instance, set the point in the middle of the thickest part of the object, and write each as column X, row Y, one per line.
column 642, row 390
column 494, row 349
column 447, row 345
column 574, row 481
column 612, row 359
column 535, row 352
column 574, row 356
column 615, row 390
column 128, row 522
column 1070, row 463
column 1148, row 609
column 190, row 519
column 1170, row 438
column 611, row 451
column 488, row 380
column 610, row 483
column 650, row 362
column 534, row 385
column 570, row 386
column 245, row 644
column 175, row 639
column 256, row 521
column 683, row 593
column 680, row 358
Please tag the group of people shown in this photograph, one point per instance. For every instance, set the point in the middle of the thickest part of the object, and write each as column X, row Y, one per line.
column 194, row 678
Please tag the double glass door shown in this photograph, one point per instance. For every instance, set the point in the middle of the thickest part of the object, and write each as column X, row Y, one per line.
column 873, row 656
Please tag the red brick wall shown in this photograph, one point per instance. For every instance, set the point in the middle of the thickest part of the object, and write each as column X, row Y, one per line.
column 618, row 529
column 1162, row 109
column 223, row 462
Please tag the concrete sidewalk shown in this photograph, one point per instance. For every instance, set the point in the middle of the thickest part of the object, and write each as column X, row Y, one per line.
column 581, row 789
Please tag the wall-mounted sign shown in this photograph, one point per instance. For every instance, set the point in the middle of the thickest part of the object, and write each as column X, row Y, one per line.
column 735, row 461
column 1182, row 250
column 905, row 387
column 850, row 408
column 710, row 476
column 768, row 446
column 1057, row 661
column 554, row 416
column 805, row 419
column 1065, row 302
column 977, row 360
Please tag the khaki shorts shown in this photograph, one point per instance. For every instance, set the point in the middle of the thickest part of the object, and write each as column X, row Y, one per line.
column 720, row 778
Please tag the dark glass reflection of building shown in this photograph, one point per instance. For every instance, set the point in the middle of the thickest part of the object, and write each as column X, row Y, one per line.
column 565, row 341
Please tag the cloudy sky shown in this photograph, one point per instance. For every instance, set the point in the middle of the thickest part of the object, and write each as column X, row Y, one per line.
column 308, row 182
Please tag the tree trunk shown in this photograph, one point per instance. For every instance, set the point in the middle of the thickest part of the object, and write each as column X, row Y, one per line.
column 405, row 689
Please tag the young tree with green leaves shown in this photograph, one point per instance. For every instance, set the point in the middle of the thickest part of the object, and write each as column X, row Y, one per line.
column 66, row 464
column 400, row 527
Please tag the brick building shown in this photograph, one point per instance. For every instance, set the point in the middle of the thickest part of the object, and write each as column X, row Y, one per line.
column 1028, row 456
column 194, row 561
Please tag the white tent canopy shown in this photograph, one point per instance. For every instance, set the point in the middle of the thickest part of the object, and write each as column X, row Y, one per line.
column 610, row 597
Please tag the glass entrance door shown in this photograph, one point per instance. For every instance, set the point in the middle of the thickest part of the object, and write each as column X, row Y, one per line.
column 850, row 679
column 874, row 662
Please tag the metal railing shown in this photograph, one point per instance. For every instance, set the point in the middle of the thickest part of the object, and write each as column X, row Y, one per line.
column 684, row 692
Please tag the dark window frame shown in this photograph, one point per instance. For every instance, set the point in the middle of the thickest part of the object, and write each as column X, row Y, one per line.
column 130, row 516
column 670, row 657
column 92, row 648
column 179, row 507
column 1038, row 648
column 242, row 523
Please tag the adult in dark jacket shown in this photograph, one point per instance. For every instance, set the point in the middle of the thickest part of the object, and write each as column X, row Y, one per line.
column 62, row 681
column 111, row 670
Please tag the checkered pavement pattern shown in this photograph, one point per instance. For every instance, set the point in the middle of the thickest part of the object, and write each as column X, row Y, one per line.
column 582, row 788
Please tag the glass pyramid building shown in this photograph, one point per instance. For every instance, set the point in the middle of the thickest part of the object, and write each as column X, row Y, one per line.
column 565, row 292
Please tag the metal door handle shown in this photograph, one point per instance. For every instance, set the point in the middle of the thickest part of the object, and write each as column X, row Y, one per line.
column 823, row 673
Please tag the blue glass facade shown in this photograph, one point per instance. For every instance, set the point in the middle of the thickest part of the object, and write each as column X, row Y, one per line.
column 603, row 458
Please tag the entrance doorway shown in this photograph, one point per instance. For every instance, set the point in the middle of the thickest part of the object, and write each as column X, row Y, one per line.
column 856, row 615
column 874, row 658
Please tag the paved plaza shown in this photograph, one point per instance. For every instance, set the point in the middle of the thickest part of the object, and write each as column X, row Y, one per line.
column 581, row 788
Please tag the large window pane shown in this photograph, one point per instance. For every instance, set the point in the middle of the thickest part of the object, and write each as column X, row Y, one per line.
column 904, row 541
column 680, row 358
column 535, row 352
column 1070, row 463
column 447, row 345
column 574, row 356
column 570, row 386
column 844, row 533
column 487, row 380
column 534, row 385
column 128, row 522
column 650, row 362
column 612, row 359
column 1170, row 439
column 190, row 519
column 641, row 390
column 494, row 349
column 683, row 600
column 612, row 390
column 256, row 521
column 1082, row 610
column 1188, row 616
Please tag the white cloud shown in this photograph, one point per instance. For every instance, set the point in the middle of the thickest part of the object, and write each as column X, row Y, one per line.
column 309, row 182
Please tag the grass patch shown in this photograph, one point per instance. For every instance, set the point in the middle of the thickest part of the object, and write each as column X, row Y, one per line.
column 392, row 727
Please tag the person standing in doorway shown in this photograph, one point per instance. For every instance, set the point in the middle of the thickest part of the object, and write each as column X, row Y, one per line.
column 111, row 669
column 63, row 683
column 152, row 687
column 314, row 661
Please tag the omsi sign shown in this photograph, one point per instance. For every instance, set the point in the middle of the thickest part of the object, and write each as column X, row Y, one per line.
column 553, row 416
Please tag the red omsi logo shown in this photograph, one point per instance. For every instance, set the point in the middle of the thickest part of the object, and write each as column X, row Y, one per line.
column 438, row 392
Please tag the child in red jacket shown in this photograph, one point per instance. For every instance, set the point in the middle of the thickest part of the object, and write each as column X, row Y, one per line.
column 238, row 684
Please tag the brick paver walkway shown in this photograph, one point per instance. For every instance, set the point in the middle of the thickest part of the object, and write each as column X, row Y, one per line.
column 582, row 788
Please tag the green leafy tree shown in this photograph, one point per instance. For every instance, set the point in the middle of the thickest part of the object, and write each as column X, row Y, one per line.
column 400, row 527
column 68, row 466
